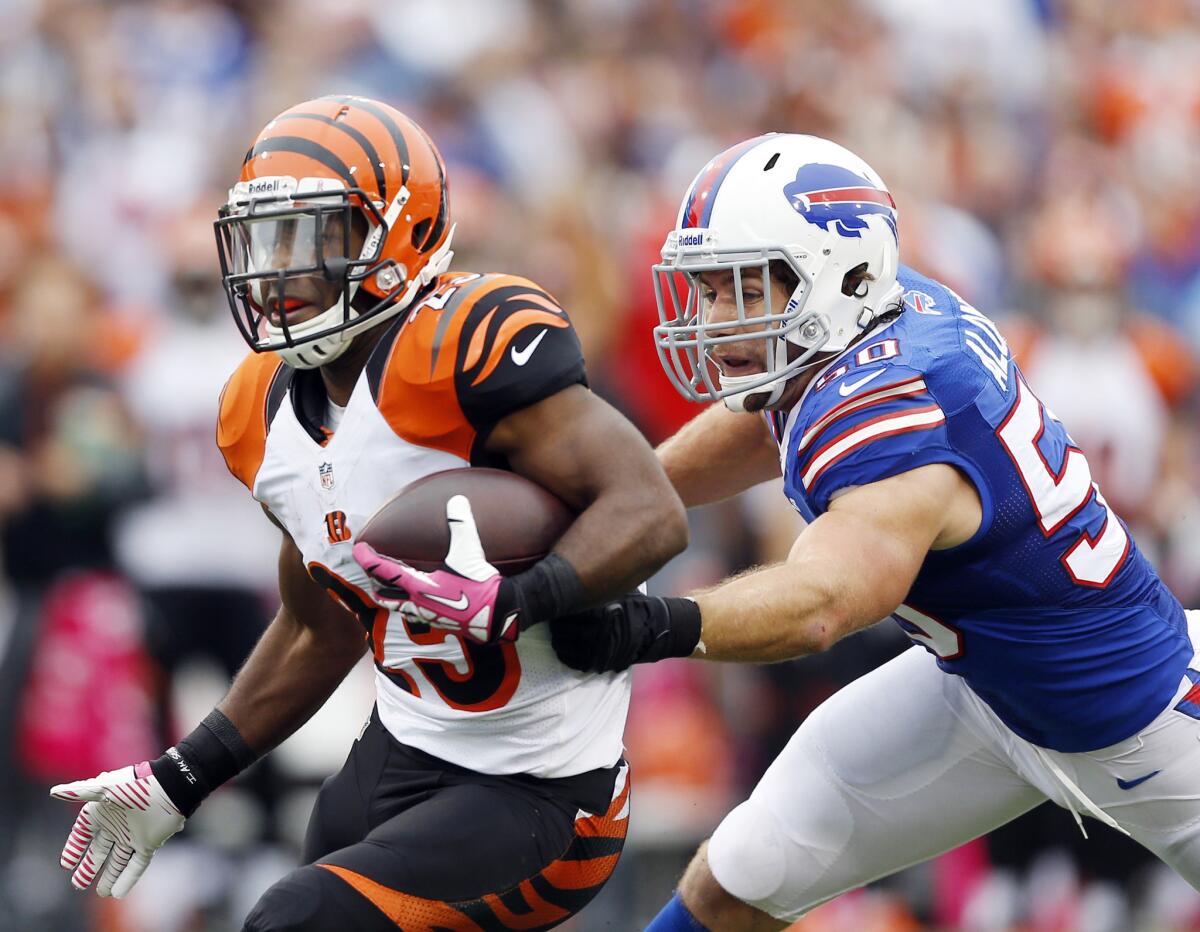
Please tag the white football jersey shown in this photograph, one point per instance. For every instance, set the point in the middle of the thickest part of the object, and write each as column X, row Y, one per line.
column 436, row 383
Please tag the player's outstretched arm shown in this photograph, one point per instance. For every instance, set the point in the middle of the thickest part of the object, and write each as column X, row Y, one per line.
column 129, row 813
column 718, row 454
column 848, row 569
column 630, row 521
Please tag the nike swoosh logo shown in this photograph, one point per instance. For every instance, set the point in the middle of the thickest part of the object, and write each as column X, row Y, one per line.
column 458, row 604
column 520, row 357
column 1130, row 784
column 847, row 388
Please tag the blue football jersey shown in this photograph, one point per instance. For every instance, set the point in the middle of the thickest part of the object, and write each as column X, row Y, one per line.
column 1049, row 612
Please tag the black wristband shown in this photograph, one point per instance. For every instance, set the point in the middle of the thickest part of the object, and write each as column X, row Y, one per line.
column 213, row 753
column 549, row 589
column 226, row 732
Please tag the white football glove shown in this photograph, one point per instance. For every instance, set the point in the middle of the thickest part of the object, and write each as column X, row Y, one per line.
column 127, row 818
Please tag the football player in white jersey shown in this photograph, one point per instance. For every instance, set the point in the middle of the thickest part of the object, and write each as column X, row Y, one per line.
column 488, row 790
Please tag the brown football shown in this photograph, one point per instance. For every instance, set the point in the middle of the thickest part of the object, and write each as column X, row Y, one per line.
column 519, row 522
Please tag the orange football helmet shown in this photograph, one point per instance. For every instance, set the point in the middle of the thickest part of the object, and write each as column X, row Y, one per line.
column 340, row 218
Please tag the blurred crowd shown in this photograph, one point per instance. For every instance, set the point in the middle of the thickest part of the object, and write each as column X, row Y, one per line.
column 1045, row 157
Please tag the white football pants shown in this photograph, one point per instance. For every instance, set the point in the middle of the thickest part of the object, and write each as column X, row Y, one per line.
column 907, row 762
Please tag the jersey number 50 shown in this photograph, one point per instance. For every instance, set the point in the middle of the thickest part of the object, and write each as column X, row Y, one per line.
column 1059, row 496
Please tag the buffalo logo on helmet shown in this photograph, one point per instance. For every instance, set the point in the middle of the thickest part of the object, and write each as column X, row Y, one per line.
column 838, row 200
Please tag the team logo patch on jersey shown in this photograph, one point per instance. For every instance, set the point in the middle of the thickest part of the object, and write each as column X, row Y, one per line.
column 922, row 303
column 326, row 472
column 837, row 199
column 337, row 531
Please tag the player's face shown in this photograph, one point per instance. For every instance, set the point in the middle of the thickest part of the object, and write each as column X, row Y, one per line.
column 718, row 292
column 297, row 242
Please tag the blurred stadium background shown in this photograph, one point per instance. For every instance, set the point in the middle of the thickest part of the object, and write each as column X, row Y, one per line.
column 1045, row 155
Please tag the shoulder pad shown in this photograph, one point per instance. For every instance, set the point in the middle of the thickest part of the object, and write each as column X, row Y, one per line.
column 444, row 376
column 249, row 401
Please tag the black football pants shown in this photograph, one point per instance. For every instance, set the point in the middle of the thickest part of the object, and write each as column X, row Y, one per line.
column 400, row 839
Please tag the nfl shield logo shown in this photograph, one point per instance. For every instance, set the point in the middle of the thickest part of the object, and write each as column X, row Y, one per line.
column 326, row 471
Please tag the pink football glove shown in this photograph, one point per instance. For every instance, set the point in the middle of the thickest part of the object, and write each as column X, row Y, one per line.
column 468, row 597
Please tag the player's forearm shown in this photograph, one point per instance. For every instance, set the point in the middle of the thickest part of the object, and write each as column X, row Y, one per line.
column 629, row 521
column 717, row 455
column 288, row 676
column 624, row 537
column 770, row 614
column 826, row 590
column 842, row 575
column 290, row 673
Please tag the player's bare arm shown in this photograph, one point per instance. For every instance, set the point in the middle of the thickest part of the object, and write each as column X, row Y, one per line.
column 718, row 454
column 539, row 421
column 848, row 569
column 306, row 651
column 577, row 446
column 629, row 523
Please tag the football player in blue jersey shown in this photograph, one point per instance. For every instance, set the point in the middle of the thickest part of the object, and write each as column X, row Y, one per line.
column 1051, row 661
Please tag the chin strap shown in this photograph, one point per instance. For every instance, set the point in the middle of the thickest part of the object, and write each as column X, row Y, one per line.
column 773, row 390
column 737, row 401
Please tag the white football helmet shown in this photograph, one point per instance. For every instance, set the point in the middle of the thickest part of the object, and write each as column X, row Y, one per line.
column 799, row 200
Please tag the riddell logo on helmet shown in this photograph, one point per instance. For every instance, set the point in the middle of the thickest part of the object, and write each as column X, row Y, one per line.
column 691, row 239
column 264, row 186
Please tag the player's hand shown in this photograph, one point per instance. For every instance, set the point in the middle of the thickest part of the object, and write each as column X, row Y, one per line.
column 468, row 596
column 634, row 629
column 127, row 817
